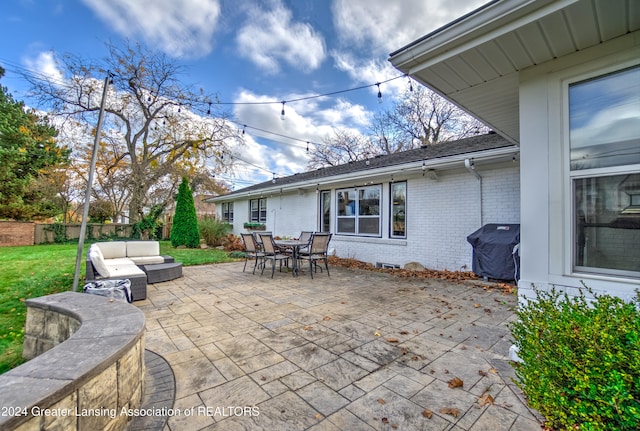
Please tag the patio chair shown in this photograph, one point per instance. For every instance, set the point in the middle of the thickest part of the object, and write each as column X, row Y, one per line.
column 317, row 250
column 305, row 236
column 256, row 238
column 251, row 251
column 272, row 253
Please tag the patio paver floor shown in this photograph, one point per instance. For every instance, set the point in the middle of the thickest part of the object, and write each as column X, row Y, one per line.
column 358, row 350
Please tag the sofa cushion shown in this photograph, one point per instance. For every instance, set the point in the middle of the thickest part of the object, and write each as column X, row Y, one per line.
column 113, row 249
column 123, row 270
column 98, row 261
column 147, row 260
column 143, row 248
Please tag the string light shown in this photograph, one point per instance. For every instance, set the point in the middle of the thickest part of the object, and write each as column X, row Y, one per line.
column 410, row 83
column 282, row 112
column 244, row 127
column 307, row 146
column 379, row 93
column 209, row 109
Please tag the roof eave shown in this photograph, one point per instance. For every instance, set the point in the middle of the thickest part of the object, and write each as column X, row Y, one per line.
column 408, row 169
column 486, row 23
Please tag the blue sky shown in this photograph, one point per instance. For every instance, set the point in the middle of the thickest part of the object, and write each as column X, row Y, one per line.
column 243, row 51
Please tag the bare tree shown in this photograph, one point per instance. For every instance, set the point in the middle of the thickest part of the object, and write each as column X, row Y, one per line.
column 153, row 126
column 420, row 117
column 343, row 147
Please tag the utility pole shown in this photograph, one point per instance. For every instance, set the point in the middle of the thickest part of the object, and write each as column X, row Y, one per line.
column 87, row 198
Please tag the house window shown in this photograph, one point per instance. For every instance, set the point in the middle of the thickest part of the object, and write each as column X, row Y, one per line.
column 227, row 212
column 359, row 211
column 325, row 211
column 258, row 210
column 604, row 130
column 398, row 210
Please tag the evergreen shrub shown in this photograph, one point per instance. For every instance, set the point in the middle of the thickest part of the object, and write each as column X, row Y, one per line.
column 184, row 230
column 581, row 356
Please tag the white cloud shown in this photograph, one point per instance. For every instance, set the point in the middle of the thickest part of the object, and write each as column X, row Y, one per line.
column 368, row 71
column 270, row 37
column 44, row 64
column 180, row 28
column 309, row 121
column 383, row 26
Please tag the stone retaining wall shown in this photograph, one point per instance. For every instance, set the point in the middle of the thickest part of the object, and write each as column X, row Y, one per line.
column 87, row 369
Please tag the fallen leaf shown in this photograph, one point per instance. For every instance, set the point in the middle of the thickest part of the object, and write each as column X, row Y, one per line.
column 307, row 328
column 493, row 370
column 394, row 426
column 427, row 413
column 393, row 314
column 483, row 373
column 456, row 382
column 404, row 333
column 487, row 310
column 318, row 416
column 450, row 411
column 381, row 401
column 392, row 340
column 477, row 305
column 486, row 399
column 325, row 318
column 385, row 420
column 377, row 334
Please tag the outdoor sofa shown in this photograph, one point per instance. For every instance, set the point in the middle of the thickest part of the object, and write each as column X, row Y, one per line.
column 138, row 261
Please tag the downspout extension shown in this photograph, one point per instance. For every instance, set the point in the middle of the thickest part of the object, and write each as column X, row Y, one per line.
column 468, row 163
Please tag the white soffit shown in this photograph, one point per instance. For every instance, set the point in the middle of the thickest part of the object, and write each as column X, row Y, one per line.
column 474, row 62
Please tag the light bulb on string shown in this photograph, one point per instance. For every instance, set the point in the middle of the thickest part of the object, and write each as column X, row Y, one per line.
column 410, row 83
column 244, row 127
column 282, row 112
column 307, row 146
column 209, row 109
column 379, row 93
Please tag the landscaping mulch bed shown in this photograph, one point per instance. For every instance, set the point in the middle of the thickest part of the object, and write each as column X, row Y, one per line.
column 454, row 276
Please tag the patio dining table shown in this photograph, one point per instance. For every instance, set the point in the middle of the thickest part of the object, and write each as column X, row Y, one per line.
column 295, row 246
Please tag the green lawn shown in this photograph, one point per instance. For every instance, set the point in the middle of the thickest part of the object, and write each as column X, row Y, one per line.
column 32, row 271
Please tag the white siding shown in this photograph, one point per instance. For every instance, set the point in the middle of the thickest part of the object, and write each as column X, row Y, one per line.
column 546, row 222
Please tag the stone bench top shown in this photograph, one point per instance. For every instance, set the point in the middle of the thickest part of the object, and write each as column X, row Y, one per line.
column 106, row 330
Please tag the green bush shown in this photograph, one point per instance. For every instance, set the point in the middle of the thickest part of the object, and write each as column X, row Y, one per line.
column 184, row 230
column 581, row 358
column 213, row 231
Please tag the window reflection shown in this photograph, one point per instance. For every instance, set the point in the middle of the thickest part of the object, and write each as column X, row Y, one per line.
column 604, row 120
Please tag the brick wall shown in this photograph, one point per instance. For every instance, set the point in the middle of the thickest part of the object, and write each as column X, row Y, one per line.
column 441, row 213
column 16, row 233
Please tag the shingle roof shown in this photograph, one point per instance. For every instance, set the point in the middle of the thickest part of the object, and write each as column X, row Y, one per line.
column 446, row 149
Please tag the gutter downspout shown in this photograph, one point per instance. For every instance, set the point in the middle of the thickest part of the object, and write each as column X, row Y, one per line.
column 468, row 163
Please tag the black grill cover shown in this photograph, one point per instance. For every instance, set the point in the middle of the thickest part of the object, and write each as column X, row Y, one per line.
column 493, row 251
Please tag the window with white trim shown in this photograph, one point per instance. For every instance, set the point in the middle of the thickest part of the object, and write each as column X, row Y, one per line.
column 398, row 203
column 604, row 142
column 227, row 212
column 258, row 210
column 358, row 211
column 325, row 211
